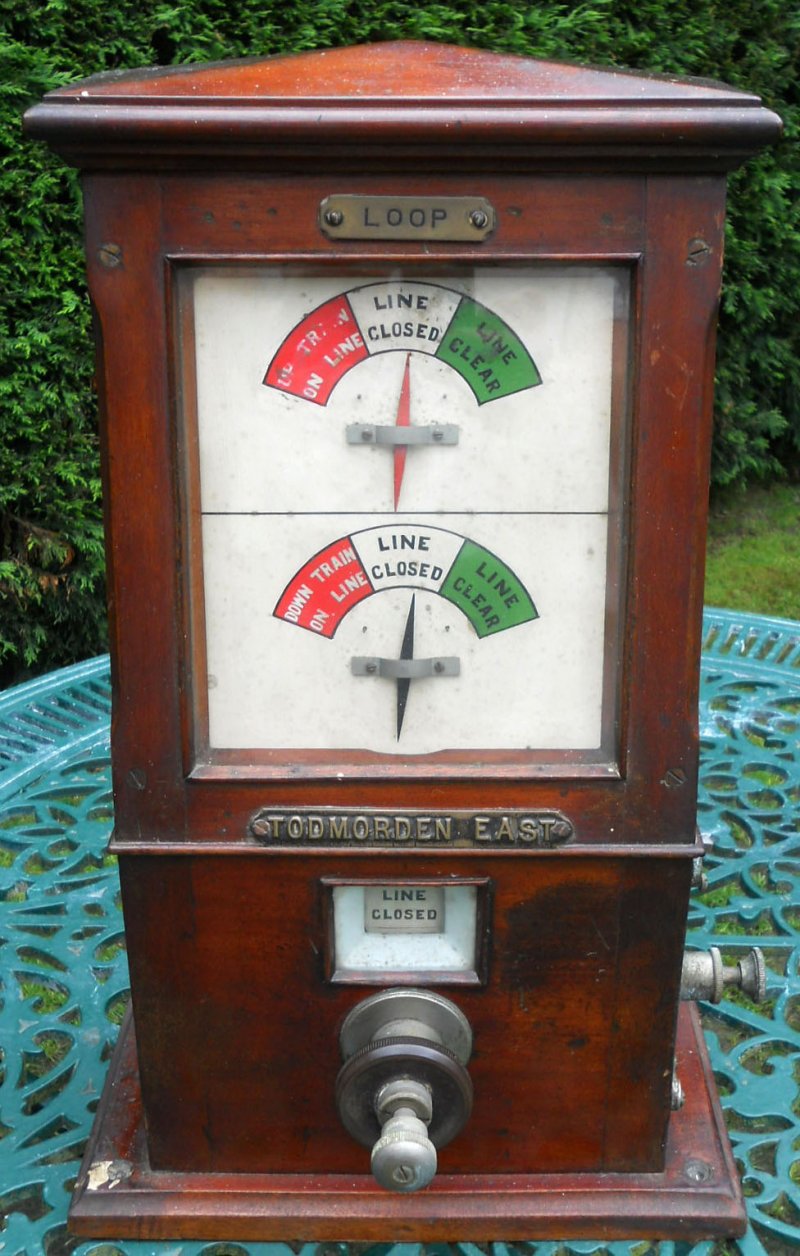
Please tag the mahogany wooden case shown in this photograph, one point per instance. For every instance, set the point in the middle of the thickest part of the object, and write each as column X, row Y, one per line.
column 165, row 786
column 573, row 996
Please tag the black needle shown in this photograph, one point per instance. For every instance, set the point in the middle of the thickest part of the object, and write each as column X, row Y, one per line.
column 406, row 652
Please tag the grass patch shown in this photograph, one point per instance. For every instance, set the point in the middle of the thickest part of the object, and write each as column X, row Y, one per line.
column 721, row 895
column 48, row 996
column 753, row 559
column 117, row 1006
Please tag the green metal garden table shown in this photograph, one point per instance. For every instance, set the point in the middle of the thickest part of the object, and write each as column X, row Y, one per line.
column 63, row 984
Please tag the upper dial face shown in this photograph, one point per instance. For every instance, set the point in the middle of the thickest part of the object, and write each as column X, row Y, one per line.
column 404, row 489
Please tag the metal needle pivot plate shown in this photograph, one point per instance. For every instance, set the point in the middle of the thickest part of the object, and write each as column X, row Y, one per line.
column 406, row 668
column 402, row 434
column 371, row 434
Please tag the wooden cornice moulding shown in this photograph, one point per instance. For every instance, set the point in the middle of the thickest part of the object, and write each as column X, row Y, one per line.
column 401, row 100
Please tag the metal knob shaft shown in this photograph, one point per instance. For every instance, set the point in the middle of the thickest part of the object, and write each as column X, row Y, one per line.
column 704, row 976
column 403, row 1158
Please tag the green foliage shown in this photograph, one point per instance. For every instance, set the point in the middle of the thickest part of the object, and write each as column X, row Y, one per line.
column 753, row 561
column 51, row 587
column 51, row 562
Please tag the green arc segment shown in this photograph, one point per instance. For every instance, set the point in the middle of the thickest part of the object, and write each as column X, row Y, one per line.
column 484, row 350
column 487, row 591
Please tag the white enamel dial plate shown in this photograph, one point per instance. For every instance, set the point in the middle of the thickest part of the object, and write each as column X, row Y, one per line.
column 486, row 547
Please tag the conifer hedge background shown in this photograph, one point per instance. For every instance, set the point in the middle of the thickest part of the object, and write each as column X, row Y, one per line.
column 51, row 574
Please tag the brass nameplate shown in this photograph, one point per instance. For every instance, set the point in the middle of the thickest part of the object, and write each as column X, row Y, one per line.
column 526, row 830
column 407, row 218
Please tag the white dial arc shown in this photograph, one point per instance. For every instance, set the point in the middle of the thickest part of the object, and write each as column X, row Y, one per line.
column 405, row 316
column 402, row 316
column 408, row 555
column 405, row 555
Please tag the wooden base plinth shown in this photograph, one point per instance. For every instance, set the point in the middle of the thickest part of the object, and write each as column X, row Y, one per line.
column 697, row 1196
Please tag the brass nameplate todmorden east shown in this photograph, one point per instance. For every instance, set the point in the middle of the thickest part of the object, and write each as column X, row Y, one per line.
column 532, row 830
column 343, row 217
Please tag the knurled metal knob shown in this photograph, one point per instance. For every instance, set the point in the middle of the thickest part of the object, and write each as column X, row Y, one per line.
column 403, row 1089
column 404, row 1158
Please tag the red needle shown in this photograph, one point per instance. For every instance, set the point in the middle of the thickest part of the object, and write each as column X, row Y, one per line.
column 403, row 420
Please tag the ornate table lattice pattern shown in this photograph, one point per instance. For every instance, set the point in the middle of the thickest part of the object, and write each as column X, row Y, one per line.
column 64, row 975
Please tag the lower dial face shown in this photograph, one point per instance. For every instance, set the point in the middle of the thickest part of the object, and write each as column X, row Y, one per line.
column 404, row 486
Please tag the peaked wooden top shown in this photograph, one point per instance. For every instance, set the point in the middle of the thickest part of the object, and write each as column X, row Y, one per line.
column 400, row 95
column 402, row 71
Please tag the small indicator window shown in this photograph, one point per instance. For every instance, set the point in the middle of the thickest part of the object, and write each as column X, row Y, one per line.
column 405, row 931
